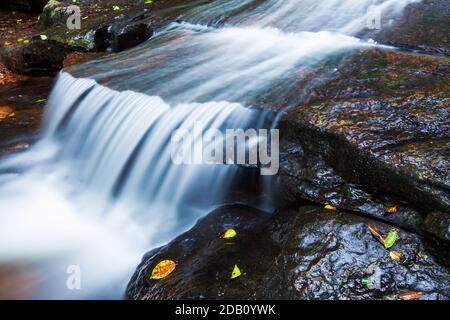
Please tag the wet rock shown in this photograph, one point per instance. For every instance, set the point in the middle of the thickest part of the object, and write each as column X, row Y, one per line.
column 205, row 260
column 24, row 5
column 123, row 34
column 102, row 28
column 372, row 135
column 422, row 27
column 327, row 255
column 307, row 254
column 438, row 224
column 38, row 57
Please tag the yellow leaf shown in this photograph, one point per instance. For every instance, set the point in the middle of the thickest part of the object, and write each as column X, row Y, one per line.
column 163, row 269
column 330, row 207
column 395, row 255
column 391, row 210
column 236, row 272
column 230, row 233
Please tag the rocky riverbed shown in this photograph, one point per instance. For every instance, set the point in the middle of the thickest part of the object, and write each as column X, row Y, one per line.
column 364, row 134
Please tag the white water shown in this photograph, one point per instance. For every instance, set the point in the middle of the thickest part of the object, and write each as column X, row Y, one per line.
column 99, row 189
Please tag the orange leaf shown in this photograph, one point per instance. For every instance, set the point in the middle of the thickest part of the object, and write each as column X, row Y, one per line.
column 410, row 295
column 163, row 269
column 376, row 233
column 330, row 207
column 391, row 210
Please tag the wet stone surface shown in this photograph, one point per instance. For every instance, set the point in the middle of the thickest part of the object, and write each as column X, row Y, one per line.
column 311, row 253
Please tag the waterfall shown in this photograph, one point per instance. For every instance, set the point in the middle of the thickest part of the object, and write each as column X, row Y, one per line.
column 100, row 188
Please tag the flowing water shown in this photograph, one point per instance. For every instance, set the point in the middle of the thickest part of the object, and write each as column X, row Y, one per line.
column 99, row 188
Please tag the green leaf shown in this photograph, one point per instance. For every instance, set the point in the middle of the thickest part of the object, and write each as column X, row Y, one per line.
column 148, row 2
column 236, row 272
column 20, row 40
column 365, row 281
column 40, row 100
column 390, row 239
column 43, row 37
column 116, row 8
column 230, row 233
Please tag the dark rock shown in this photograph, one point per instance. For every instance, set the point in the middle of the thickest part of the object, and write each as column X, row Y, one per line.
column 422, row 27
column 372, row 135
column 438, row 224
column 24, row 5
column 38, row 57
column 310, row 254
column 205, row 260
column 122, row 35
column 327, row 254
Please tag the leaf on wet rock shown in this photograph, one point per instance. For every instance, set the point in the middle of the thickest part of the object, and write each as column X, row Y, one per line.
column 236, row 272
column 330, row 207
column 376, row 233
column 395, row 255
column 390, row 239
column 163, row 269
column 6, row 112
column 365, row 281
column 230, row 233
column 391, row 210
column 413, row 295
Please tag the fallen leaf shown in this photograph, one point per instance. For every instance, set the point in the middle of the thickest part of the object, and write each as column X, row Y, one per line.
column 395, row 255
column 20, row 40
column 230, row 233
column 116, row 8
column 163, row 269
column 413, row 295
column 6, row 112
column 26, row 41
column 330, row 207
column 391, row 210
column 390, row 239
column 236, row 272
column 43, row 37
column 7, row 43
column 365, row 281
column 40, row 100
column 148, row 2
column 376, row 233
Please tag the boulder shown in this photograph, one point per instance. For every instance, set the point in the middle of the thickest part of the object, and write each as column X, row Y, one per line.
column 438, row 224
column 39, row 57
column 311, row 253
column 24, row 5
column 371, row 135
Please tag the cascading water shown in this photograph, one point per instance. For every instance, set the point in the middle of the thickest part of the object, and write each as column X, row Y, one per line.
column 99, row 189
